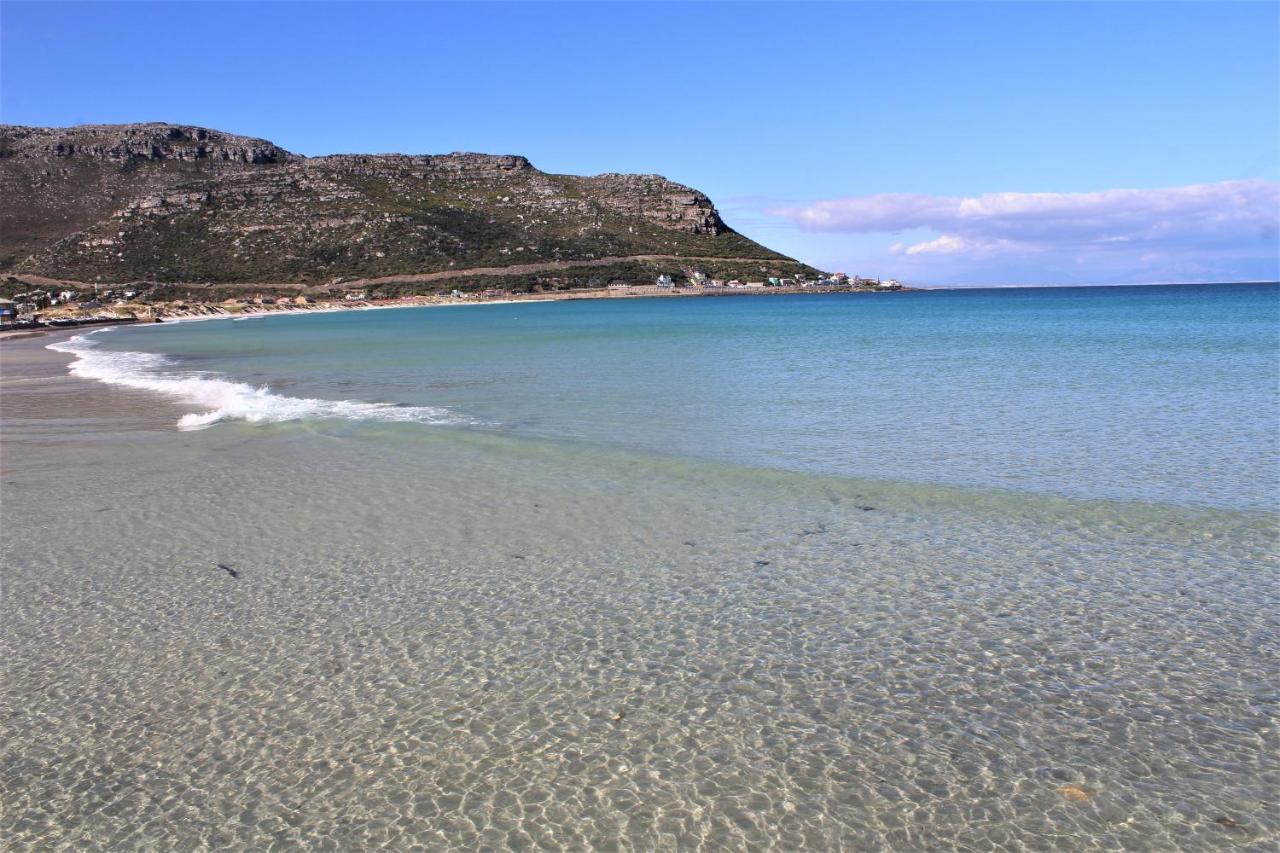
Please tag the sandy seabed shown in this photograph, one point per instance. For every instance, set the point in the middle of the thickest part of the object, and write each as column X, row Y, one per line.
column 338, row 636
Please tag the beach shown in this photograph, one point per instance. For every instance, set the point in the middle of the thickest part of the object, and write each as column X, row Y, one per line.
column 966, row 539
column 341, row 633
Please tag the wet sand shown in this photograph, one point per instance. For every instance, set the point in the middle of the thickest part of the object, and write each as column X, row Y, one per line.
column 39, row 399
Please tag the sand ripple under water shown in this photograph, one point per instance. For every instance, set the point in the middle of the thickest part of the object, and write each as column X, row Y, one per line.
column 437, row 639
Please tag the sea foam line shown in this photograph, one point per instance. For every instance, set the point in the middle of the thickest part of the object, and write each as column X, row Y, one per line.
column 225, row 400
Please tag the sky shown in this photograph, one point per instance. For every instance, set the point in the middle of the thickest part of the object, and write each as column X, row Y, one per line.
column 936, row 143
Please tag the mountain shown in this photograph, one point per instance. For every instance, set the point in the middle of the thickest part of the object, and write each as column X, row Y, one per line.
column 174, row 204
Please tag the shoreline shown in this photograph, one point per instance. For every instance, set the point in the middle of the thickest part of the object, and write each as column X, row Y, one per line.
column 40, row 340
column 192, row 312
column 37, row 362
column 148, row 313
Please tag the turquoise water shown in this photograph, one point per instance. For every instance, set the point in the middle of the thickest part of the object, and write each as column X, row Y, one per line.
column 1167, row 394
column 959, row 570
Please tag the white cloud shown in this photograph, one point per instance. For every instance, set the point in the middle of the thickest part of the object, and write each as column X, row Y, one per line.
column 1110, row 215
column 945, row 245
column 1134, row 233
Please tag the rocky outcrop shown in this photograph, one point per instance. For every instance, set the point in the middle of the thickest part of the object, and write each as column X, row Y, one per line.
column 163, row 202
column 658, row 200
column 139, row 142
column 458, row 163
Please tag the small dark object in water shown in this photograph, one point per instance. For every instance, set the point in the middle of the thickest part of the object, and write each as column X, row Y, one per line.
column 1004, row 615
column 866, row 508
column 229, row 570
column 1228, row 823
column 517, row 556
column 821, row 528
column 103, row 509
column 762, row 563
column 620, row 716
column 691, row 543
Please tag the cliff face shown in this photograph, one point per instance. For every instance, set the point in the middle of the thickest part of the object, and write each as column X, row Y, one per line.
column 120, row 143
column 158, row 202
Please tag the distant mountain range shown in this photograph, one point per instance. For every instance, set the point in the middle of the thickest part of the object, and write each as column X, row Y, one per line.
column 168, row 204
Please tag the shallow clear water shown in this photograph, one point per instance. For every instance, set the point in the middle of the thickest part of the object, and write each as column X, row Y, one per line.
column 448, row 631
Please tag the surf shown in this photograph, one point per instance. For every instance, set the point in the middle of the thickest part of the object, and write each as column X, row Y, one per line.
column 225, row 400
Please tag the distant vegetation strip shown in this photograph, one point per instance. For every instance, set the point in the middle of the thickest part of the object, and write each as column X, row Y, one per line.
column 544, row 266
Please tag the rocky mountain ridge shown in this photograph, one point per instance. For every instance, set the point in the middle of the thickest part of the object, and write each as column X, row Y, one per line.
column 183, row 204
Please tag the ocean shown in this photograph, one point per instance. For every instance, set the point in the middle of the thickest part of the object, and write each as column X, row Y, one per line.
column 990, row 569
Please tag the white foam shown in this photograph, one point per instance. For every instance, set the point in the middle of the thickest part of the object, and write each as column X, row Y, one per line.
column 223, row 399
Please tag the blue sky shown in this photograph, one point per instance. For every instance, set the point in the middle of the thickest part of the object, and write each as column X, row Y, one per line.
column 939, row 143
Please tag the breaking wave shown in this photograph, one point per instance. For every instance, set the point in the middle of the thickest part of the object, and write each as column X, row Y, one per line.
column 224, row 400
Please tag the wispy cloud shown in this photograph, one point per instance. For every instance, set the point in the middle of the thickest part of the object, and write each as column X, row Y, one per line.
column 1137, row 228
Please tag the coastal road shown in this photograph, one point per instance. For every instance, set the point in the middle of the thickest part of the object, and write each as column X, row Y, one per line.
column 441, row 275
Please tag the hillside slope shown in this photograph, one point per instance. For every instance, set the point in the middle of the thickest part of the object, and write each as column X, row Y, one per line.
column 169, row 203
